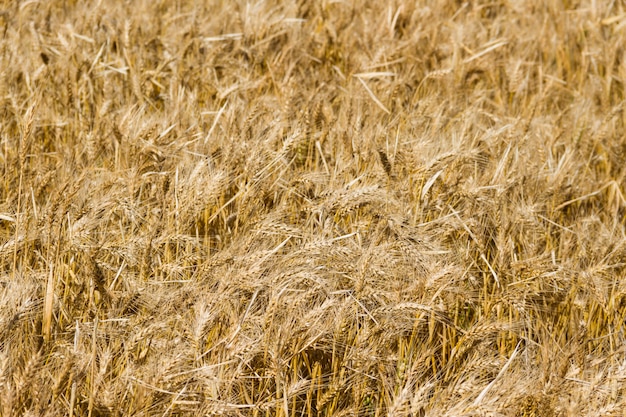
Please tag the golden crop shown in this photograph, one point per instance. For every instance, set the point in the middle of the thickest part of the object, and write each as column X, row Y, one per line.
column 312, row 208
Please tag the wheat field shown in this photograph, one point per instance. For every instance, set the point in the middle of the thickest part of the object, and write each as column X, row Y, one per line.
column 312, row 208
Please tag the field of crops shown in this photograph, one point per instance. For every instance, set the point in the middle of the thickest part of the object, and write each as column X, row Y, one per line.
column 312, row 208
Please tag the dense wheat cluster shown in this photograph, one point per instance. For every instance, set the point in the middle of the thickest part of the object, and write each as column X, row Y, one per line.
column 312, row 208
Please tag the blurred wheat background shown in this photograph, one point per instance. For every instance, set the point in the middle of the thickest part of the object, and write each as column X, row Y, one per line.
column 312, row 208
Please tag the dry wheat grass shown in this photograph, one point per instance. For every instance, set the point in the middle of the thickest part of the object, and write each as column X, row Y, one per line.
column 308, row 208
